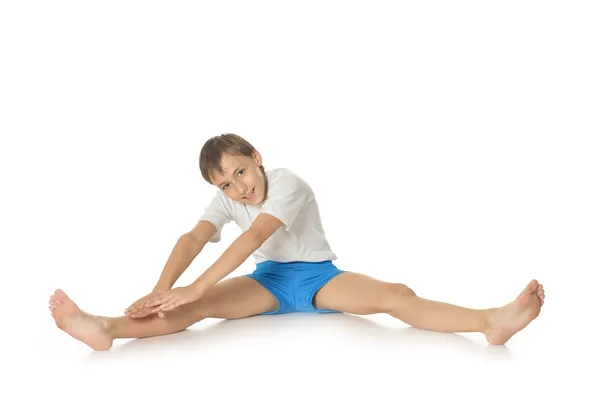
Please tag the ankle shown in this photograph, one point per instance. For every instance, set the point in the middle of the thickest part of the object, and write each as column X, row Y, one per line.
column 106, row 324
column 487, row 319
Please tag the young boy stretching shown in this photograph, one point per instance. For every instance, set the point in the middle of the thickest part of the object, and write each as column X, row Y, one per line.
column 279, row 216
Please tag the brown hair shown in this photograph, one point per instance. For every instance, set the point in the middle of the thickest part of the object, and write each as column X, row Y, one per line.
column 212, row 152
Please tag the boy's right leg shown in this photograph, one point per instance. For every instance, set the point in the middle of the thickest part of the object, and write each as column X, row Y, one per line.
column 232, row 298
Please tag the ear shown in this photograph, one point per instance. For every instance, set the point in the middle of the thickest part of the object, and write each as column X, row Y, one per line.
column 257, row 158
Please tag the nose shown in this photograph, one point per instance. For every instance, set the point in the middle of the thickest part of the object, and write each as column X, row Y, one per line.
column 241, row 188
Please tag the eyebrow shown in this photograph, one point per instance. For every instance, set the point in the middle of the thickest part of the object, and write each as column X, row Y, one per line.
column 234, row 172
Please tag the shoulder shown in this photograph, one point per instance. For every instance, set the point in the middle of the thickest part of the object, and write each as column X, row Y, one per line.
column 286, row 179
column 220, row 196
column 287, row 195
column 220, row 200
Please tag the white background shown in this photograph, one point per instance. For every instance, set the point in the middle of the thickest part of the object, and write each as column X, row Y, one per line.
column 452, row 146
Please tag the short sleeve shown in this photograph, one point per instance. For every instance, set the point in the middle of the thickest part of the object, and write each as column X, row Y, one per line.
column 219, row 213
column 287, row 194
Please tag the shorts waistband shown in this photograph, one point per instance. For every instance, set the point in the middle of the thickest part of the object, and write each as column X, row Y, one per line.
column 271, row 264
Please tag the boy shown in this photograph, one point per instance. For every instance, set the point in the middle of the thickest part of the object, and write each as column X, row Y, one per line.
column 282, row 229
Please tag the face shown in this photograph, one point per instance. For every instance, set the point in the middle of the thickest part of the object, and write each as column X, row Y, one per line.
column 241, row 176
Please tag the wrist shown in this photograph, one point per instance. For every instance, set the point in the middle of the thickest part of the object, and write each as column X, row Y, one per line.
column 198, row 286
column 161, row 287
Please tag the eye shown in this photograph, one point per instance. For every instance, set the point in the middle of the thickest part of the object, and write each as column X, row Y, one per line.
column 241, row 171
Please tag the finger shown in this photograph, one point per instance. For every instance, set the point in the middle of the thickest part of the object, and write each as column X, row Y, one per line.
column 171, row 307
column 176, row 303
column 137, row 307
column 133, row 309
column 160, row 308
column 138, row 302
column 149, row 311
column 142, row 301
column 154, row 303
column 165, row 305
column 158, row 301
column 141, row 313
column 153, row 296
column 146, row 310
column 165, row 309
column 134, row 306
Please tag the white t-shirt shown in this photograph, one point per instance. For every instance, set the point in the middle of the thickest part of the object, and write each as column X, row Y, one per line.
column 291, row 200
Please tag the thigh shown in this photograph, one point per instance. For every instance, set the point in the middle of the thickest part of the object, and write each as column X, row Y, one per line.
column 358, row 294
column 234, row 298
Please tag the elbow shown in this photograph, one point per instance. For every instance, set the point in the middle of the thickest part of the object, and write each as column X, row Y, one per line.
column 255, row 238
column 190, row 238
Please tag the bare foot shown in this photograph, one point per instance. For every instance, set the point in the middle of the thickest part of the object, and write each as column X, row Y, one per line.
column 512, row 318
column 80, row 325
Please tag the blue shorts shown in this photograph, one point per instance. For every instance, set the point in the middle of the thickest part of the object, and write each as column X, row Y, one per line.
column 294, row 284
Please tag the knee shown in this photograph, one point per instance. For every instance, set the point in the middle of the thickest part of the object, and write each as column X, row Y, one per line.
column 203, row 308
column 396, row 292
column 402, row 290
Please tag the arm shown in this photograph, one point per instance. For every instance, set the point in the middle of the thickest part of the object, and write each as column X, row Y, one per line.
column 248, row 242
column 188, row 246
column 261, row 229
column 231, row 259
column 186, row 249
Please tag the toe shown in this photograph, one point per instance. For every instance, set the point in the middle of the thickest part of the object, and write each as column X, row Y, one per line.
column 60, row 295
column 532, row 286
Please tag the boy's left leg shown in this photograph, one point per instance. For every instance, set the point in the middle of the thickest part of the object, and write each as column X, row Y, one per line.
column 359, row 294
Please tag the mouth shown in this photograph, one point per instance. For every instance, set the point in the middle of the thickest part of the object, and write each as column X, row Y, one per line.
column 250, row 196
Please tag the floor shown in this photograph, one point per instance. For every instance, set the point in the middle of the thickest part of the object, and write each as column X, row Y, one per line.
column 300, row 355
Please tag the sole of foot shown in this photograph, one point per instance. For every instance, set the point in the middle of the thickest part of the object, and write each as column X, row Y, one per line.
column 78, row 324
column 515, row 316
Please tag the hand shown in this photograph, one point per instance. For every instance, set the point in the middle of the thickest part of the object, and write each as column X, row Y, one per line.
column 169, row 300
column 138, row 308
